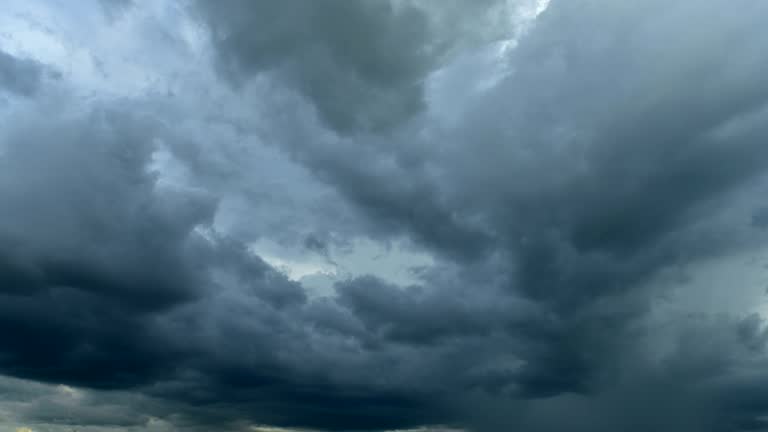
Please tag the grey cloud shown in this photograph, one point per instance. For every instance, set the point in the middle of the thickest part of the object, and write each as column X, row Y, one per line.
column 428, row 314
column 114, row 8
column 587, row 175
column 60, row 408
column 88, row 242
column 111, row 282
column 618, row 144
column 21, row 76
column 760, row 218
column 85, row 211
column 361, row 64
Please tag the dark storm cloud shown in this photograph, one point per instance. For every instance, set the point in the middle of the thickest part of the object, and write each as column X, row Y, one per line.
column 21, row 76
column 113, row 280
column 599, row 161
column 82, row 211
column 361, row 64
column 424, row 315
column 85, row 242
column 760, row 218
column 622, row 144
column 625, row 162
column 115, row 8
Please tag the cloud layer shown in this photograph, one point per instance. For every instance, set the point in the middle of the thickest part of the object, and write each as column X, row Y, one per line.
column 382, row 215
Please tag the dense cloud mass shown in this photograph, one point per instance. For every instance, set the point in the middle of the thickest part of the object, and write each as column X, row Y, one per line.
column 383, row 215
column 361, row 64
column 19, row 75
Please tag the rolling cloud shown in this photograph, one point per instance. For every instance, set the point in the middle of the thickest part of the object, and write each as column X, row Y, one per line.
column 383, row 215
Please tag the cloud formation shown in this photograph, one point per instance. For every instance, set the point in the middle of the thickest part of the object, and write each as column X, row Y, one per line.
column 583, row 182
column 20, row 76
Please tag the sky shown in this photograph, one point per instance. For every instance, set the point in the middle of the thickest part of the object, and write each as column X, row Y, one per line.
column 383, row 215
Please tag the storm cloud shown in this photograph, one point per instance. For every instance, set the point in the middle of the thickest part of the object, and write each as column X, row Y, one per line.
column 384, row 215
column 20, row 76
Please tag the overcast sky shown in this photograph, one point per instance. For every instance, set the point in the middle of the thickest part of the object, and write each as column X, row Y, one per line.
column 383, row 215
